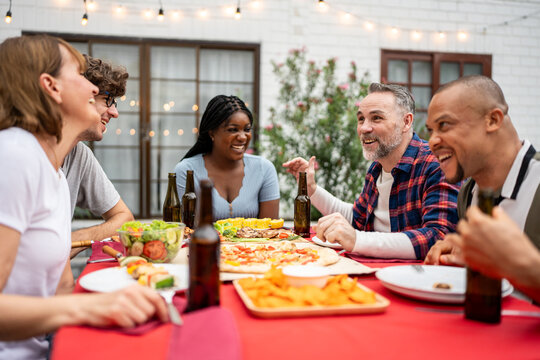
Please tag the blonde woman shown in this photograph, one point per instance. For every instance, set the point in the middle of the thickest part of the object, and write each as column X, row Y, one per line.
column 45, row 104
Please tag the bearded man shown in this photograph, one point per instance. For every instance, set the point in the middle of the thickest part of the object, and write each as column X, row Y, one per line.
column 406, row 205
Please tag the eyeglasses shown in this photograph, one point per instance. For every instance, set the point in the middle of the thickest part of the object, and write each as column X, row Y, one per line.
column 110, row 100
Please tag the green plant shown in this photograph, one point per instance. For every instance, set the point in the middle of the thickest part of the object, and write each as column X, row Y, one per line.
column 316, row 115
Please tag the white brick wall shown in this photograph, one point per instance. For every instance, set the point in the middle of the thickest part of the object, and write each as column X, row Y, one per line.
column 279, row 25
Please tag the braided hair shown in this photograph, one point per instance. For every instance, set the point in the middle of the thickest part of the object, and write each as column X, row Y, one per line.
column 218, row 110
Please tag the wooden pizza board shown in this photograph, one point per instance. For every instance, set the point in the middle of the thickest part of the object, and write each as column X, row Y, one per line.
column 343, row 266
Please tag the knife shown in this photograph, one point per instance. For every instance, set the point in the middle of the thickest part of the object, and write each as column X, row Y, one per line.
column 84, row 243
column 522, row 313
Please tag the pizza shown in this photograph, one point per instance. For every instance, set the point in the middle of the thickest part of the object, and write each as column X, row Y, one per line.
column 247, row 234
column 259, row 258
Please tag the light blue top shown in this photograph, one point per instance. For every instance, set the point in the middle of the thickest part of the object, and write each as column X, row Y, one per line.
column 260, row 184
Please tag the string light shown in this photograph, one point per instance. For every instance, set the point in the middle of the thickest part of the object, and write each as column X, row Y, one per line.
column 238, row 13
column 9, row 16
column 84, row 19
column 161, row 13
column 344, row 15
column 203, row 13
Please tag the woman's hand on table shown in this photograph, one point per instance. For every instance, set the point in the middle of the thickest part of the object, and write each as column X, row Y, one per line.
column 297, row 165
column 128, row 307
column 335, row 228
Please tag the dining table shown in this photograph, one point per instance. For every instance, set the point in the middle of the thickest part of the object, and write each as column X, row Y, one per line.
column 407, row 329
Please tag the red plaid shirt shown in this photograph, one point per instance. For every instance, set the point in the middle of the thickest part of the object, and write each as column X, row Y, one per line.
column 422, row 204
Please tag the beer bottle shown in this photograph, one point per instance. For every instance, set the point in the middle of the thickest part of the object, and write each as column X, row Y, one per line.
column 204, row 257
column 483, row 294
column 171, row 205
column 189, row 201
column 302, row 208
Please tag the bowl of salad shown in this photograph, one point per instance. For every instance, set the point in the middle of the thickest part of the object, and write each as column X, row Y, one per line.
column 157, row 242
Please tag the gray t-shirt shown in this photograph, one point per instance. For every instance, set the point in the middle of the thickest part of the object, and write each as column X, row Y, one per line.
column 260, row 184
column 89, row 187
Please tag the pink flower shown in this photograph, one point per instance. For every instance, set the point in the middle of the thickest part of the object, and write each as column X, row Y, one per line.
column 344, row 86
column 278, row 126
column 311, row 62
column 357, row 104
column 249, row 151
column 327, row 138
column 329, row 100
column 316, row 166
column 300, row 104
column 280, row 65
column 353, row 63
column 318, row 71
column 269, row 127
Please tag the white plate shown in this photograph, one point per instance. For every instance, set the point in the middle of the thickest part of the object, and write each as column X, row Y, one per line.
column 408, row 281
column 318, row 241
column 116, row 278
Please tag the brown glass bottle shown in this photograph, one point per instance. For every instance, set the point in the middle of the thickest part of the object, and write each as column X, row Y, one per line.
column 483, row 294
column 204, row 257
column 302, row 208
column 189, row 201
column 171, row 205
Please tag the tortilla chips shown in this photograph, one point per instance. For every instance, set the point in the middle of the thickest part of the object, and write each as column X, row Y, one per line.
column 272, row 291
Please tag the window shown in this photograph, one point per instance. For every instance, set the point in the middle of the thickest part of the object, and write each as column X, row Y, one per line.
column 424, row 72
column 169, row 85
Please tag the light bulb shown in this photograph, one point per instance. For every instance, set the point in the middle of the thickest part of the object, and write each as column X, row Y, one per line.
column 8, row 17
column 84, row 19
column 91, row 5
column 462, row 36
column 161, row 14
column 237, row 14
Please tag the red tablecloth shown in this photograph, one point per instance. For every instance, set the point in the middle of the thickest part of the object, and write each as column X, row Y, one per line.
column 402, row 332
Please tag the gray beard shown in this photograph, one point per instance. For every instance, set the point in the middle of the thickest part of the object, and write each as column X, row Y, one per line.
column 384, row 149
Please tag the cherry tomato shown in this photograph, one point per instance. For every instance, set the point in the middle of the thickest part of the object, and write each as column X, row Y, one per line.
column 283, row 235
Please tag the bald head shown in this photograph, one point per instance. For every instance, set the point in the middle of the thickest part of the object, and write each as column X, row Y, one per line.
column 485, row 93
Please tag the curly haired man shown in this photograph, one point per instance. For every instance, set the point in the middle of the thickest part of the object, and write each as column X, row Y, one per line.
column 88, row 185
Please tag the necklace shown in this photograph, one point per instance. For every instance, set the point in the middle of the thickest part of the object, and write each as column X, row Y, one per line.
column 55, row 163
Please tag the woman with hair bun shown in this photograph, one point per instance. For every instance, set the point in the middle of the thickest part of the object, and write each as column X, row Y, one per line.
column 245, row 185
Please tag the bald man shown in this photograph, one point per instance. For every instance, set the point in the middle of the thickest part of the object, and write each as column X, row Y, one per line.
column 473, row 137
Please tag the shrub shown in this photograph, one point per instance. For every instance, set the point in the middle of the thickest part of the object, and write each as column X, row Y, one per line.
column 316, row 115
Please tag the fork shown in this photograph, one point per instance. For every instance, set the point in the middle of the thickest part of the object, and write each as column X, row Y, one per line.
column 174, row 315
column 418, row 268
